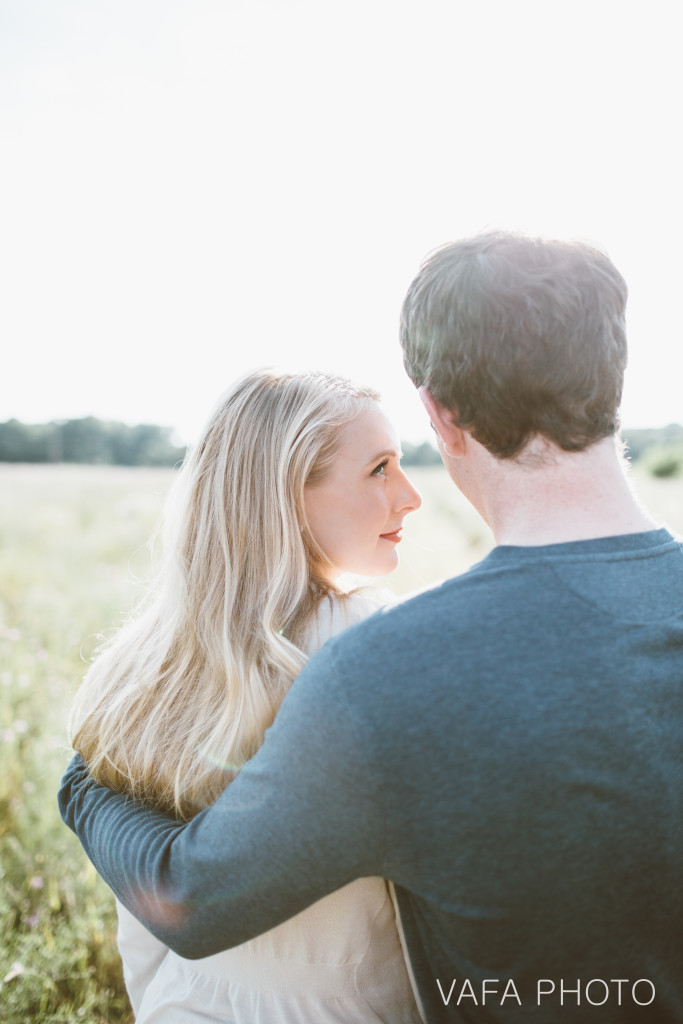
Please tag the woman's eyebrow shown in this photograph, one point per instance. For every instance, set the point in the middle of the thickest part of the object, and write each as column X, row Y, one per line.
column 384, row 453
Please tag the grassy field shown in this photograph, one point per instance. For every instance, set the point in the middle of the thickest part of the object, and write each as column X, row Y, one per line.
column 73, row 542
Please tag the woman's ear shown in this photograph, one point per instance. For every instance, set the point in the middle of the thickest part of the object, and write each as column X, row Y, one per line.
column 452, row 436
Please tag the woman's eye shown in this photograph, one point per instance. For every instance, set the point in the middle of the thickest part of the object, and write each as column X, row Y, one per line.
column 379, row 470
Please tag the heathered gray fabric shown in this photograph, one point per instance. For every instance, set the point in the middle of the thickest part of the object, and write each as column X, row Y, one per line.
column 507, row 748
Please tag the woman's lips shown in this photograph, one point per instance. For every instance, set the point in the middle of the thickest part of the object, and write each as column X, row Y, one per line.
column 394, row 537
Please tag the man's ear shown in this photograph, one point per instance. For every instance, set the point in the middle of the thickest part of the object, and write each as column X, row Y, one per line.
column 452, row 436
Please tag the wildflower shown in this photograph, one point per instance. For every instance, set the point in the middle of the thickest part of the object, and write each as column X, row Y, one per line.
column 15, row 970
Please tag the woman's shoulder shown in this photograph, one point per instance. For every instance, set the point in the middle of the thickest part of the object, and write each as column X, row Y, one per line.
column 358, row 604
column 339, row 611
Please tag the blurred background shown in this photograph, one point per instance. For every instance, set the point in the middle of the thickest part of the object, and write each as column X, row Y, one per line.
column 192, row 188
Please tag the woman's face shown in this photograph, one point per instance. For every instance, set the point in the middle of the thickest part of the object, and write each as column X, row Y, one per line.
column 356, row 511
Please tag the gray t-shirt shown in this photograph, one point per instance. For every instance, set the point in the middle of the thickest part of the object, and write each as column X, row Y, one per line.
column 507, row 748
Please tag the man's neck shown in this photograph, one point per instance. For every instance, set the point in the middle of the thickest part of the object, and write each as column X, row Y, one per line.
column 548, row 496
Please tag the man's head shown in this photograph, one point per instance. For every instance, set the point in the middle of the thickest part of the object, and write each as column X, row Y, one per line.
column 519, row 337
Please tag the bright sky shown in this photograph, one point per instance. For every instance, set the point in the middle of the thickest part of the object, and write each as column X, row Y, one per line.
column 192, row 188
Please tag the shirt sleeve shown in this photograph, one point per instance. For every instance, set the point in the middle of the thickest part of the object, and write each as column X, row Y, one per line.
column 141, row 954
column 298, row 822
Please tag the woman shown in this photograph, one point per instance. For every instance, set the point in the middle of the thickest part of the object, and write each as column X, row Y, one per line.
column 295, row 481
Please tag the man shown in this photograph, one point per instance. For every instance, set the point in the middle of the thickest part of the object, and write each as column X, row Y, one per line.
column 506, row 748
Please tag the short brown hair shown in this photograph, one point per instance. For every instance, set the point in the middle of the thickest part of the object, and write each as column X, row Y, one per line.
column 517, row 337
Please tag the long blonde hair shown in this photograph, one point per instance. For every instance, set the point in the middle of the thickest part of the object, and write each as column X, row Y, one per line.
column 181, row 696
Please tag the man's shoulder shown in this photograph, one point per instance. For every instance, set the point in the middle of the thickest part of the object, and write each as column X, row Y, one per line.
column 445, row 593
column 428, row 608
column 519, row 588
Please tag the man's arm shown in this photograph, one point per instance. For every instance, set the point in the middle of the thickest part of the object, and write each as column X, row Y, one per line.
column 298, row 822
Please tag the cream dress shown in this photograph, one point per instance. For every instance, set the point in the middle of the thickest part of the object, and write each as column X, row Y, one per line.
column 340, row 961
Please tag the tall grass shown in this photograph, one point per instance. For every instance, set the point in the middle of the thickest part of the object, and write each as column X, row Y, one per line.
column 69, row 538
column 72, row 542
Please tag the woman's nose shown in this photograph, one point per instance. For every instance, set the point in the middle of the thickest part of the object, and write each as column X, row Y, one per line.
column 409, row 498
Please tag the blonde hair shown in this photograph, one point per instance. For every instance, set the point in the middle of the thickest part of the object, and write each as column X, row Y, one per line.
column 181, row 696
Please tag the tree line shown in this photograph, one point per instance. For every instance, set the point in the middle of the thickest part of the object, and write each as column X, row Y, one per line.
column 107, row 442
column 89, row 440
column 659, row 450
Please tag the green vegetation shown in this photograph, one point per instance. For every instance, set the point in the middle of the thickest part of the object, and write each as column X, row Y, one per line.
column 665, row 460
column 69, row 538
column 659, row 452
column 424, row 454
column 98, row 442
column 71, row 541
column 88, row 440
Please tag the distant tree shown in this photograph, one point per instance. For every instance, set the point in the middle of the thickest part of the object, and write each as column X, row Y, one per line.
column 641, row 441
column 105, row 442
column 659, row 449
column 665, row 460
column 23, row 442
column 88, row 440
column 424, row 454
